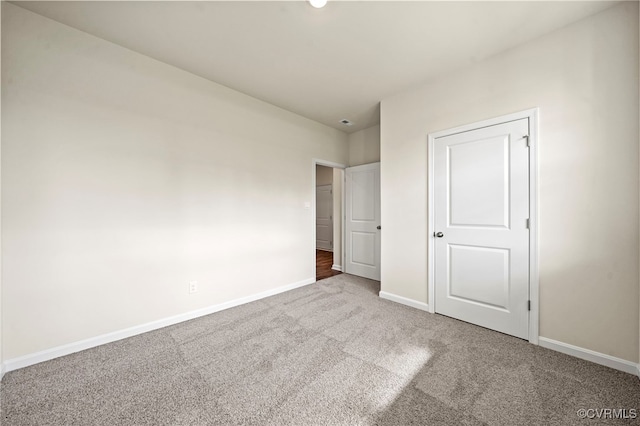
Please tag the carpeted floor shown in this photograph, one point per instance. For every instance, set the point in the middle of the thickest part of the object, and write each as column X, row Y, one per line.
column 332, row 353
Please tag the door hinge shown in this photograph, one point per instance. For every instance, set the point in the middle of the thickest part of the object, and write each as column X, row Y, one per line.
column 528, row 223
column 528, row 305
column 527, row 138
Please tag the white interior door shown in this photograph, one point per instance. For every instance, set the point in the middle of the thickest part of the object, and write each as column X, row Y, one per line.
column 481, row 193
column 362, row 225
column 324, row 217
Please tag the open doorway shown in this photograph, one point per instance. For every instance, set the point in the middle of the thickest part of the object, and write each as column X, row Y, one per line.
column 328, row 220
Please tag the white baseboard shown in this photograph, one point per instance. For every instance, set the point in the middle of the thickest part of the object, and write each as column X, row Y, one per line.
column 403, row 300
column 48, row 354
column 337, row 268
column 578, row 352
column 589, row 355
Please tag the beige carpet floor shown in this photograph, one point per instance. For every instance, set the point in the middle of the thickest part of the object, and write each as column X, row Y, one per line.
column 332, row 353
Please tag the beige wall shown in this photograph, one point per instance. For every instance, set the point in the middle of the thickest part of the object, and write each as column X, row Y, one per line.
column 584, row 78
column 324, row 175
column 125, row 178
column 364, row 146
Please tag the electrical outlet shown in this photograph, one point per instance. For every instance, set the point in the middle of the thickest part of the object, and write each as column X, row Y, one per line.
column 193, row 286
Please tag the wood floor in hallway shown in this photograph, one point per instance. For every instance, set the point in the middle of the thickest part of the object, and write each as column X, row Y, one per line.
column 324, row 262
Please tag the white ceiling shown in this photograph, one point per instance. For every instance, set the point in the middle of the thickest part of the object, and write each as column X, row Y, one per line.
column 325, row 64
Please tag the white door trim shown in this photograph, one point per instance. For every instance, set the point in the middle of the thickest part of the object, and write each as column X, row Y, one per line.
column 318, row 162
column 532, row 115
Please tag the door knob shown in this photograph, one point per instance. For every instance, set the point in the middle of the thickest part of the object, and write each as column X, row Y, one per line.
column 438, row 234
column 378, row 227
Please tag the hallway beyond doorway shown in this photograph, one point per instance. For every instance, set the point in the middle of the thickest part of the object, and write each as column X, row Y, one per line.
column 324, row 262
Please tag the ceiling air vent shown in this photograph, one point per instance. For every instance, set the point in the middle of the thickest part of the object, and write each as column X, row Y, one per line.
column 346, row 122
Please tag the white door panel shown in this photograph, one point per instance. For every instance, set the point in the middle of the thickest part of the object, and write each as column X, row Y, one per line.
column 363, row 185
column 474, row 201
column 362, row 248
column 480, row 275
column 481, row 208
column 324, row 217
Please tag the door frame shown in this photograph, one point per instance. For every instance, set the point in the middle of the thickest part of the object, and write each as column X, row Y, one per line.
column 318, row 162
column 533, row 116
